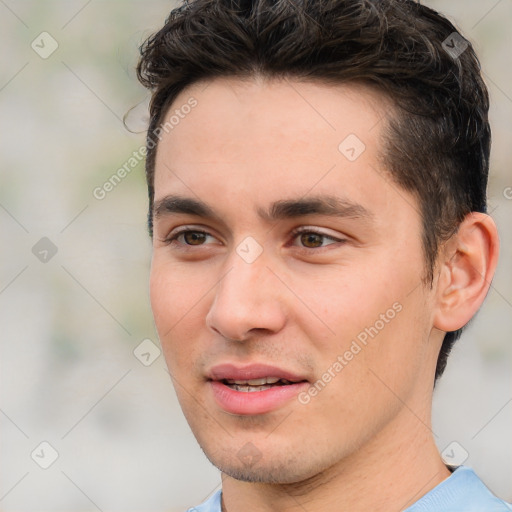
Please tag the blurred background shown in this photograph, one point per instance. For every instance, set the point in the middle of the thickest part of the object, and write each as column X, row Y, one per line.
column 89, row 420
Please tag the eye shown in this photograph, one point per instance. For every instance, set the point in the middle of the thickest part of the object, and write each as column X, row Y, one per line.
column 310, row 239
column 191, row 237
column 194, row 237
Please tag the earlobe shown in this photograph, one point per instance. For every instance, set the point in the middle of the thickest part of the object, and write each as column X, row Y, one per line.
column 467, row 266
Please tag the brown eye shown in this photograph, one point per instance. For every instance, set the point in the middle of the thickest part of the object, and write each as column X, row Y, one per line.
column 311, row 240
column 194, row 237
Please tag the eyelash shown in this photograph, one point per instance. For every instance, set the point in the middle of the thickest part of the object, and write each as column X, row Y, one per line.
column 297, row 232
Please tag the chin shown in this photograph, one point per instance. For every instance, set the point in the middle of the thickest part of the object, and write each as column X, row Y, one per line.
column 247, row 465
column 261, row 474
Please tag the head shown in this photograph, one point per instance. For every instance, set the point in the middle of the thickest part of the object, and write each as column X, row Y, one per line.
column 353, row 118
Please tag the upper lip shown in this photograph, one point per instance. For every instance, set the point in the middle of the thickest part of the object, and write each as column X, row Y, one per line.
column 229, row 371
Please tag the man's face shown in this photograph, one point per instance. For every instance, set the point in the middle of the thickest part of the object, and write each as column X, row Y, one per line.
column 304, row 263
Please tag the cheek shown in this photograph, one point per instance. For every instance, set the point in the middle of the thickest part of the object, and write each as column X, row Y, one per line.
column 174, row 291
column 178, row 301
column 367, row 312
column 339, row 303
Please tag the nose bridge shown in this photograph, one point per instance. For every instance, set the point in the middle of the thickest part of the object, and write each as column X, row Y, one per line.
column 245, row 299
column 245, row 283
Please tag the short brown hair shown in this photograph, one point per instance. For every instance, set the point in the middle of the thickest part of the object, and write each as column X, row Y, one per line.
column 437, row 141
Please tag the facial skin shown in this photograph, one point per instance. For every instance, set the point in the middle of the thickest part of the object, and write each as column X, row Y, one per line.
column 304, row 300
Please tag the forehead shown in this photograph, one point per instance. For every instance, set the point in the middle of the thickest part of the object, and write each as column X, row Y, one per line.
column 260, row 141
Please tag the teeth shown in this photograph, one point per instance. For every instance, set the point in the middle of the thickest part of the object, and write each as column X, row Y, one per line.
column 248, row 389
column 251, row 385
column 256, row 382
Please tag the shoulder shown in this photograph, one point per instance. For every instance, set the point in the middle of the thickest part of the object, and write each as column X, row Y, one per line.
column 210, row 505
column 463, row 491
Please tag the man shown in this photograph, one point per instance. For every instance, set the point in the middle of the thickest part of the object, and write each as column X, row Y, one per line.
column 317, row 176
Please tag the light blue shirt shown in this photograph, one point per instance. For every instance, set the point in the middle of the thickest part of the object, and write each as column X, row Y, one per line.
column 462, row 491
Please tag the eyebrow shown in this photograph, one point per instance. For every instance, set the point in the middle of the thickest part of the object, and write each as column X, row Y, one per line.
column 314, row 205
column 279, row 210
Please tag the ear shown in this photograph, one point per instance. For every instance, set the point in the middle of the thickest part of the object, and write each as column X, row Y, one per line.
column 466, row 267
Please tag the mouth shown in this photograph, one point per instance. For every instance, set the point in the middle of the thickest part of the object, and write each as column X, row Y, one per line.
column 253, row 389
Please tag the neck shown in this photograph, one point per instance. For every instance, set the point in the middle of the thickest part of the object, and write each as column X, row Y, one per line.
column 390, row 472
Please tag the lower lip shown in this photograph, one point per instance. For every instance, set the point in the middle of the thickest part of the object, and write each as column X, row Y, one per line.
column 255, row 402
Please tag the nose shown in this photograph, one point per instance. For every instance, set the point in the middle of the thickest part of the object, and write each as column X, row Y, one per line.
column 249, row 300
